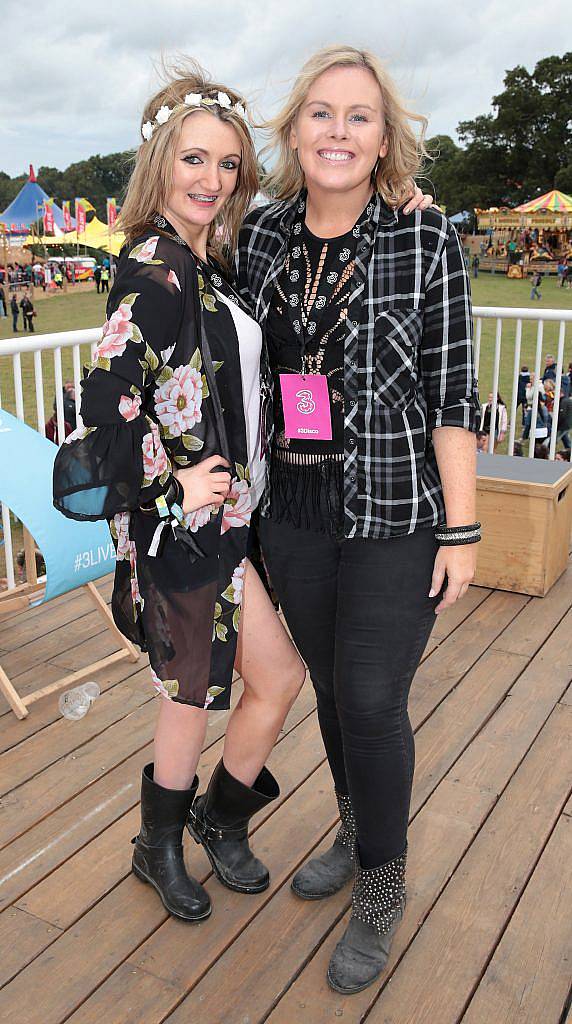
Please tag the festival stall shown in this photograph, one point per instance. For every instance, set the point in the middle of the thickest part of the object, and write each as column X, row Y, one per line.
column 537, row 234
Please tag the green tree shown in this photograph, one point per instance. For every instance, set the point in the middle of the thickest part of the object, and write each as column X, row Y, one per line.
column 517, row 151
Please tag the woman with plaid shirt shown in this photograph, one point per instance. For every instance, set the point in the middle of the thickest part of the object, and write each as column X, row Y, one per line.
column 372, row 410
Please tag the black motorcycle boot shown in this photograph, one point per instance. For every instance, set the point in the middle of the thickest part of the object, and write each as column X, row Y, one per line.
column 325, row 875
column 378, row 903
column 219, row 821
column 158, row 853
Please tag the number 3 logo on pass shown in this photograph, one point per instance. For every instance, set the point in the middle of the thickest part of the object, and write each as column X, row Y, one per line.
column 306, row 405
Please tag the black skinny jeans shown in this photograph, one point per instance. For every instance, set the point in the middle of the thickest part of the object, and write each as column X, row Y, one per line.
column 360, row 615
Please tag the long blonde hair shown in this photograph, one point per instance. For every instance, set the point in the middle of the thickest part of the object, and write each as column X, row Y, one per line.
column 151, row 178
column 393, row 174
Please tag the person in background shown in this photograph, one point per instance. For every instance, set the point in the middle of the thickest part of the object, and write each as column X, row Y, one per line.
column 564, row 421
column 51, row 427
column 549, row 390
column 549, row 369
column 97, row 276
column 104, row 278
column 3, row 311
column 69, row 403
column 482, row 442
column 543, row 423
column 523, row 381
column 561, row 270
column 28, row 312
column 536, row 282
column 58, row 276
column 476, row 265
column 501, row 418
column 15, row 311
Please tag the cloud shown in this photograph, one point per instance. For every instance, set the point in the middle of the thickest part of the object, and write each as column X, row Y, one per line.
column 74, row 83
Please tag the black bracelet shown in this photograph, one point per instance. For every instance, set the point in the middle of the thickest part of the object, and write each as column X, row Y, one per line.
column 443, row 529
column 452, row 542
column 173, row 496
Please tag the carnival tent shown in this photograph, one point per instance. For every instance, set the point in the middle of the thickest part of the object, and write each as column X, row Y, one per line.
column 25, row 208
column 95, row 236
column 555, row 201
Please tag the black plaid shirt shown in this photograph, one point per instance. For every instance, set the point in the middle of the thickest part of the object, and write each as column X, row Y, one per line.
column 408, row 356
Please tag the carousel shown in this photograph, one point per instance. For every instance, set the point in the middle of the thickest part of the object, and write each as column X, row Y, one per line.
column 534, row 235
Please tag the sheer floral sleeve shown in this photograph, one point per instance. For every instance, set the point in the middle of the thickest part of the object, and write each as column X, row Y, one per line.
column 118, row 461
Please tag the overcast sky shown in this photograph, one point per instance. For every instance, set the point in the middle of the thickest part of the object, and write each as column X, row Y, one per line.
column 74, row 76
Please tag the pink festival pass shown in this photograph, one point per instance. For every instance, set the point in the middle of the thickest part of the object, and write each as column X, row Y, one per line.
column 306, row 404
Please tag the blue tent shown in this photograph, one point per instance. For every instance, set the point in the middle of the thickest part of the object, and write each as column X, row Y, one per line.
column 461, row 218
column 27, row 207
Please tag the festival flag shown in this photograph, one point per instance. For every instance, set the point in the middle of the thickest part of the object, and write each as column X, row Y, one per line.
column 67, row 215
column 48, row 217
column 111, row 213
column 80, row 218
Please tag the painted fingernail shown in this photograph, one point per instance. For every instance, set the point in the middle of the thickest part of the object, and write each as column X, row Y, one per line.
column 432, row 592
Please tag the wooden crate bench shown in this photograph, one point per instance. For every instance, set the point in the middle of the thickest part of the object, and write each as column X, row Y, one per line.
column 525, row 506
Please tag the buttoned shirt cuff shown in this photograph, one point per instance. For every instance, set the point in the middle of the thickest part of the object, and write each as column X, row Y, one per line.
column 464, row 413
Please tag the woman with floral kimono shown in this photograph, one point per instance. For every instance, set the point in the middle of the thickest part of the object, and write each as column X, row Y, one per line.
column 171, row 454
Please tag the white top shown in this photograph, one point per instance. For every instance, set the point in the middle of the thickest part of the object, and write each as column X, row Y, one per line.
column 250, row 347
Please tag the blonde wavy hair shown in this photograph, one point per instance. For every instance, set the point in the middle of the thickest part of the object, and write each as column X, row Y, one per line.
column 393, row 175
column 151, row 177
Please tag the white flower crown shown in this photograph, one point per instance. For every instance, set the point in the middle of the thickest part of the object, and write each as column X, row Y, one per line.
column 193, row 99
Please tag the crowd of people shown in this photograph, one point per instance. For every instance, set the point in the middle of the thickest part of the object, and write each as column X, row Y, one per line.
column 545, row 425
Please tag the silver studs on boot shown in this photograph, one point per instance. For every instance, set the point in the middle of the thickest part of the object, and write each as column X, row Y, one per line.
column 379, row 894
column 346, row 834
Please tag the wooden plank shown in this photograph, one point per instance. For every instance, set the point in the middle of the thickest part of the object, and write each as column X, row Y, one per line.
column 526, row 709
column 29, row 625
column 463, row 715
column 60, row 782
column 46, row 711
column 499, row 747
column 22, row 937
column 37, row 652
column 45, row 846
column 131, row 912
column 78, row 884
column 23, row 762
column 449, row 620
column 104, row 585
column 219, row 890
column 528, row 978
column 538, row 619
column 437, row 676
column 511, row 666
column 445, row 962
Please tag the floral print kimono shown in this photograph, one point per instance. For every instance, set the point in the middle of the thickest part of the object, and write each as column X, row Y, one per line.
column 165, row 391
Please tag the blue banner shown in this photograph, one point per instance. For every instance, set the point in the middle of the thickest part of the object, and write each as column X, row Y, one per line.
column 75, row 553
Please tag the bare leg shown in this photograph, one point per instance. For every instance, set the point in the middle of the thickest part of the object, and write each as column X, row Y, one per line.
column 273, row 674
column 179, row 739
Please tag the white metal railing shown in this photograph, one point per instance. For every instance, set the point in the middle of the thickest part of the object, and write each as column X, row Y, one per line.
column 540, row 316
column 12, row 351
column 55, row 343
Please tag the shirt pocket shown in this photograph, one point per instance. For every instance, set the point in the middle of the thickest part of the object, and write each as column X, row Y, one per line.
column 396, row 338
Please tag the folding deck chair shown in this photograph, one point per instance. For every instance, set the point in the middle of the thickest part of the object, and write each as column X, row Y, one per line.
column 75, row 553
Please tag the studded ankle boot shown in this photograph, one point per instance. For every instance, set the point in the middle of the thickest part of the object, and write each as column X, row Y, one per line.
column 325, row 875
column 378, row 903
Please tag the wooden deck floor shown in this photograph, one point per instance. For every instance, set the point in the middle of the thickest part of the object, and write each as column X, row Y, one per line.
column 485, row 940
